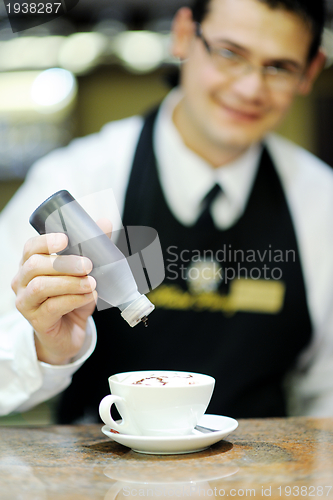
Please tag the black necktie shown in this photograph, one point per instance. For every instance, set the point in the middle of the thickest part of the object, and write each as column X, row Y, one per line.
column 205, row 218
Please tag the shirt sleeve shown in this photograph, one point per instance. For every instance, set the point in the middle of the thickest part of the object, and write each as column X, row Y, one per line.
column 310, row 385
column 308, row 184
column 25, row 381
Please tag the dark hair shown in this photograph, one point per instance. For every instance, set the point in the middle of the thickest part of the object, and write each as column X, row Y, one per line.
column 312, row 11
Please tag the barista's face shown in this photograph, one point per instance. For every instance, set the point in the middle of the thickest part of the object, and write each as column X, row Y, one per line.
column 223, row 110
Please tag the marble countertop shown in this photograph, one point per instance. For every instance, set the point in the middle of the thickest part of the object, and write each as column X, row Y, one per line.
column 275, row 458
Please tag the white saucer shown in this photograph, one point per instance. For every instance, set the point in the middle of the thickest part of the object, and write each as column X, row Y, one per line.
column 167, row 445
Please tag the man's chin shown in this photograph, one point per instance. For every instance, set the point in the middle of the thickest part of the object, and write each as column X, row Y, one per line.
column 242, row 135
column 238, row 140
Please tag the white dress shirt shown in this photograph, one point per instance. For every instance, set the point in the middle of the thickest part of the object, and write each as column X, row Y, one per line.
column 102, row 161
column 186, row 177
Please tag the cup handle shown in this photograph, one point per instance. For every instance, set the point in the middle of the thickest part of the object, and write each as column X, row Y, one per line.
column 126, row 426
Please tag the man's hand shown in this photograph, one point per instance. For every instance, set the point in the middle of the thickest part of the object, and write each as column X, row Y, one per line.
column 56, row 302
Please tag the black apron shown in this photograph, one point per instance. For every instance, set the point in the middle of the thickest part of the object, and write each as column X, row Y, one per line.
column 246, row 332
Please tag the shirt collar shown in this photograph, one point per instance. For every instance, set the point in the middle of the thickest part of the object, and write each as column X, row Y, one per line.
column 186, row 177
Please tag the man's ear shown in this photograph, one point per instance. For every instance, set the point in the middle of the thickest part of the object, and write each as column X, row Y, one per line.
column 182, row 33
column 314, row 68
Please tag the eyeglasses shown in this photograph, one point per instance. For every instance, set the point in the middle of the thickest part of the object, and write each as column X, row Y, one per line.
column 235, row 65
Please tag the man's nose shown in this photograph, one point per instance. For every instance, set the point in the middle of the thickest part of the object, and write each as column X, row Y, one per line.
column 251, row 85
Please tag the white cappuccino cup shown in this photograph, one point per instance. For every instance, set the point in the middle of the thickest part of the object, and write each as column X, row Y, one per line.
column 157, row 402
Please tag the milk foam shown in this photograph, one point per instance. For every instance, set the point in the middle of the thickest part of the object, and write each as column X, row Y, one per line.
column 171, row 380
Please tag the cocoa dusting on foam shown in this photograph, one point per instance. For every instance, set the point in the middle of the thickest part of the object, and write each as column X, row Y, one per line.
column 158, row 380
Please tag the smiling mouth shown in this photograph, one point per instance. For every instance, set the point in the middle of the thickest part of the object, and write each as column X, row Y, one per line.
column 240, row 114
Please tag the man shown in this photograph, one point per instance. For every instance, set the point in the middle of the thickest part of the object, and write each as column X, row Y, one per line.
column 248, row 291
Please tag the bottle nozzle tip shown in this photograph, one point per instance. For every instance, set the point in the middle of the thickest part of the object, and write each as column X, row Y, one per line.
column 144, row 320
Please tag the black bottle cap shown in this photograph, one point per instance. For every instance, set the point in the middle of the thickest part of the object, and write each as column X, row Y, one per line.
column 39, row 216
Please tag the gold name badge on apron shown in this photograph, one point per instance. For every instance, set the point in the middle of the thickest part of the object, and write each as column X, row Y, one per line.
column 265, row 296
column 246, row 295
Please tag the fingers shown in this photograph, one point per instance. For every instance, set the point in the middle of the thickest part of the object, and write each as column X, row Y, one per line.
column 42, row 288
column 42, row 277
column 57, row 284
column 45, row 244
column 47, row 316
column 45, row 300
column 53, row 265
column 32, row 257
column 56, row 242
column 55, row 294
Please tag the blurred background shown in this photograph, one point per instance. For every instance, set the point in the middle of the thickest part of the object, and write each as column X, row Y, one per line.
column 102, row 61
